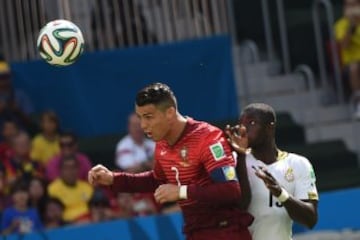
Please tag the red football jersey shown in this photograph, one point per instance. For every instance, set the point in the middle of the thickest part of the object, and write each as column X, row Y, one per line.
column 200, row 149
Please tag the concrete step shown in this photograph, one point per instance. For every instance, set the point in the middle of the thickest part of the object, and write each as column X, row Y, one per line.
column 274, row 85
column 290, row 101
column 348, row 131
column 313, row 116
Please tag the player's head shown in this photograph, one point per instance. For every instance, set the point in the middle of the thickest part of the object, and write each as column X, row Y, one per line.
column 156, row 107
column 259, row 120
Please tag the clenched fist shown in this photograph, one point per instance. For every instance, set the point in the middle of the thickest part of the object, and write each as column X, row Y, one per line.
column 100, row 175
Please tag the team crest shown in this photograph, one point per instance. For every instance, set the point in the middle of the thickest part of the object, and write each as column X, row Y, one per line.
column 289, row 175
column 217, row 150
column 184, row 157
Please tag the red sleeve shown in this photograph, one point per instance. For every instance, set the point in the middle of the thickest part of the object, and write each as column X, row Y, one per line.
column 217, row 193
column 216, row 154
column 216, row 151
column 138, row 182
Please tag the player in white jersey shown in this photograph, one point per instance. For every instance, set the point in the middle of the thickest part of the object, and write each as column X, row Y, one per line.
column 277, row 187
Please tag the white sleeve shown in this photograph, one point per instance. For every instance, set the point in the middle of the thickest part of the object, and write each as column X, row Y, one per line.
column 124, row 157
column 305, row 186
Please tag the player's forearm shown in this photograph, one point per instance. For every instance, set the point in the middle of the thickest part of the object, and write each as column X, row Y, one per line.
column 134, row 182
column 302, row 212
column 218, row 193
column 241, row 172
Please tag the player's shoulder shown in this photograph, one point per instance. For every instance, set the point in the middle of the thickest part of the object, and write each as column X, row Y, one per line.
column 202, row 127
column 297, row 160
column 124, row 142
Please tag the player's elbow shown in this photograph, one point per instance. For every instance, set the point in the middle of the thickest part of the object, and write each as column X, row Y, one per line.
column 311, row 224
column 311, row 221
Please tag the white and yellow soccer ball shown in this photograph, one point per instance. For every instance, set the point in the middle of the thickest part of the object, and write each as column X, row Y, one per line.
column 60, row 42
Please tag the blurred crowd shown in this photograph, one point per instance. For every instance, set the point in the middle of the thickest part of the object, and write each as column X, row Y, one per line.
column 43, row 174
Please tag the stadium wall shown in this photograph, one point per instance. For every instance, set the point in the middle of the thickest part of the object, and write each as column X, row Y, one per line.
column 95, row 95
column 337, row 211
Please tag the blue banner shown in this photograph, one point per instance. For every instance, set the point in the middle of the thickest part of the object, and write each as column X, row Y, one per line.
column 162, row 227
column 95, row 95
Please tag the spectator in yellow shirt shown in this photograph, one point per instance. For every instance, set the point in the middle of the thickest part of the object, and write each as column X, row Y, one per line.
column 347, row 33
column 74, row 193
column 45, row 145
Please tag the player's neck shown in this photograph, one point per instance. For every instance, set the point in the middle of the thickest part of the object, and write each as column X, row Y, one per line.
column 266, row 153
column 177, row 130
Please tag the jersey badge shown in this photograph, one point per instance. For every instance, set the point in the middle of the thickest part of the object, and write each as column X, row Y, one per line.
column 184, row 154
column 289, row 175
column 217, row 151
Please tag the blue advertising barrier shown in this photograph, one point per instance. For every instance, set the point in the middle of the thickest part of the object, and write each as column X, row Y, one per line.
column 95, row 95
column 337, row 210
column 163, row 227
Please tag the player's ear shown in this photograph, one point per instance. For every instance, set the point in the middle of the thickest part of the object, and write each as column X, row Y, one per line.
column 170, row 112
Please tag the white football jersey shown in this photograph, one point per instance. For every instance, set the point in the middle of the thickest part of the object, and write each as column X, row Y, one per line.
column 295, row 174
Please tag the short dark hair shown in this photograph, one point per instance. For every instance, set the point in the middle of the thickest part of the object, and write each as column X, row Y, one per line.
column 20, row 185
column 158, row 94
column 264, row 111
column 50, row 115
column 69, row 134
column 55, row 200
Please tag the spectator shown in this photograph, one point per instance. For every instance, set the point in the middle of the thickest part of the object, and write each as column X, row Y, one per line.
column 38, row 194
column 74, row 193
column 347, row 33
column 53, row 215
column 68, row 146
column 100, row 208
column 46, row 143
column 134, row 152
column 13, row 102
column 19, row 218
column 10, row 128
column 19, row 164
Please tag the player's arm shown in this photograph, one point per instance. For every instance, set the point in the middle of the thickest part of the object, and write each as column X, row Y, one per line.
column 123, row 182
column 242, row 174
column 237, row 137
column 302, row 211
column 302, row 206
column 220, row 164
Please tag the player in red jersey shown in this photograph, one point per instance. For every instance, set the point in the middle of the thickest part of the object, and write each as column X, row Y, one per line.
column 193, row 165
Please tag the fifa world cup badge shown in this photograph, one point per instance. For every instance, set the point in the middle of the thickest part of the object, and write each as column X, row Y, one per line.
column 184, row 154
column 289, row 175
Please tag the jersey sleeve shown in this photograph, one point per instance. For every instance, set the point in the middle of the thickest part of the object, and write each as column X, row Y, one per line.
column 305, row 186
column 217, row 158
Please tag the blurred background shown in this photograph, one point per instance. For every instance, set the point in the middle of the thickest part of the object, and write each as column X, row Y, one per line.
column 217, row 56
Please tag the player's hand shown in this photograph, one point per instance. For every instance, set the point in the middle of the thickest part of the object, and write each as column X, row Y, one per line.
column 100, row 175
column 237, row 137
column 167, row 193
column 269, row 181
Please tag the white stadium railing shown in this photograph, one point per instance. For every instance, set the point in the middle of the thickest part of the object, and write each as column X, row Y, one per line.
column 109, row 24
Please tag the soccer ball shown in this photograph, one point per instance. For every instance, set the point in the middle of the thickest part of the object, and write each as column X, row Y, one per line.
column 60, row 42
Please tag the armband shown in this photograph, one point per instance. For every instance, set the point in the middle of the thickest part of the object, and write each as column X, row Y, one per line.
column 224, row 174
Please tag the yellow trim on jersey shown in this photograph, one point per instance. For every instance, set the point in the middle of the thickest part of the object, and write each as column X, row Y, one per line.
column 281, row 155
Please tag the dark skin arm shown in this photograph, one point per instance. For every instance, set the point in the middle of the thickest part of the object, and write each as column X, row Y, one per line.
column 301, row 211
column 238, row 140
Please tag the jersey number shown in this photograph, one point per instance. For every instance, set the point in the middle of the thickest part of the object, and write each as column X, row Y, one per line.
column 176, row 175
column 271, row 203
